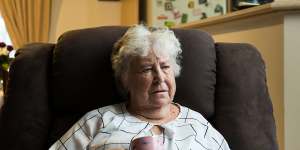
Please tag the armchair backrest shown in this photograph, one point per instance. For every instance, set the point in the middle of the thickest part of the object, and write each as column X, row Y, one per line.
column 52, row 85
column 82, row 70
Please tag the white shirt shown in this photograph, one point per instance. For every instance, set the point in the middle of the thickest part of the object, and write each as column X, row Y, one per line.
column 114, row 127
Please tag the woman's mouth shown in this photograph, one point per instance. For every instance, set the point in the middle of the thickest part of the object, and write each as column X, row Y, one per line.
column 159, row 91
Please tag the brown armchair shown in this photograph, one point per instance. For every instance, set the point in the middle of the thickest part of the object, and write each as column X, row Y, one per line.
column 52, row 85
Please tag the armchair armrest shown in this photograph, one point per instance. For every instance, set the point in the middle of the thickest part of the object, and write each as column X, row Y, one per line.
column 26, row 99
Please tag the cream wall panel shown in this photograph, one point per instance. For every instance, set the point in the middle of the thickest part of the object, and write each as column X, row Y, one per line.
column 75, row 14
column 292, row 81
column 130, row 12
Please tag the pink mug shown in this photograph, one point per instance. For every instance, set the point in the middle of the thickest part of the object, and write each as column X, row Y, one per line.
column 148, row 143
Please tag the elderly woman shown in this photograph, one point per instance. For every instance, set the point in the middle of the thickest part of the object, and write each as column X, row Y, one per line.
column 145, row 62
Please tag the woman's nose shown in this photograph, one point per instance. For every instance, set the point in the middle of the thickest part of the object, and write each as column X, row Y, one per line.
column 159, row 75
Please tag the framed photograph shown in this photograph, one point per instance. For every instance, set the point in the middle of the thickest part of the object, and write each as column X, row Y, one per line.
column 174, row 12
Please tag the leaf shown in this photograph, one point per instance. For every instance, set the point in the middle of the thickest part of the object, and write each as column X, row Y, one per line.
column 5, row 66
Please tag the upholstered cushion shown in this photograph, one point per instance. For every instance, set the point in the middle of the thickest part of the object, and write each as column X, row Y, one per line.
column 244, row 112
column 196, row 84
column 83, row 79
column 25, row 116
column 47, row 92
column 82, row 75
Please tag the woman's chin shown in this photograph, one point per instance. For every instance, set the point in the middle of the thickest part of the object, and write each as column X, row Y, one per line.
column 160, row 101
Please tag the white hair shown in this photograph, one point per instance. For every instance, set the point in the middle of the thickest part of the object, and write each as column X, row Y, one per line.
column 139, row 40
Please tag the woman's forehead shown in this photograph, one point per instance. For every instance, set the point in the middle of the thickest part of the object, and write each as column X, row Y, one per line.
column 151, row 58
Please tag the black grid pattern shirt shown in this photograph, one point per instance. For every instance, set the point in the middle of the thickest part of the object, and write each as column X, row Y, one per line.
column 113, row 127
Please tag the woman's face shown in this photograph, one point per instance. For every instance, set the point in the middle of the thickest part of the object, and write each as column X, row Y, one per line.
column 150, row 81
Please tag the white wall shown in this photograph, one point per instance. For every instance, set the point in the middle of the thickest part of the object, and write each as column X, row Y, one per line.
column 75, row 14
column 292, row 81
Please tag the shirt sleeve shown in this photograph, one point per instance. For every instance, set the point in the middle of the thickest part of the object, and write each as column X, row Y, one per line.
column 80, row 134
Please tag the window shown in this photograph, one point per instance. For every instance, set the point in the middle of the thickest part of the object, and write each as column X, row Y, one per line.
column 4, row 37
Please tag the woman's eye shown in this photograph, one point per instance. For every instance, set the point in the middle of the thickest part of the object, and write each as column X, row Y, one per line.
column 146, row 70
column 165, row 67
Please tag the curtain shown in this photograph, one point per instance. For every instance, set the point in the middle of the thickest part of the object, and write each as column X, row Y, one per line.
column 26, row 20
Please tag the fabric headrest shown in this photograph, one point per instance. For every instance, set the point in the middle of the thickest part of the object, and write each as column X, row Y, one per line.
column 82, row 77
